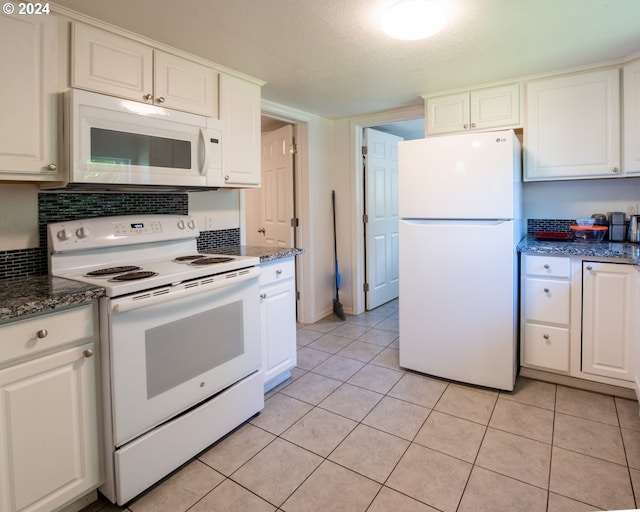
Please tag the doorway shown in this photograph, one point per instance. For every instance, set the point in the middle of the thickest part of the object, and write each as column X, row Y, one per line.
column 380, row 186
column 270, row 211
column 405, row 125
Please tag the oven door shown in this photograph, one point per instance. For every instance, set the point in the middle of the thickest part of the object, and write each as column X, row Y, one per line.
column 172, row 348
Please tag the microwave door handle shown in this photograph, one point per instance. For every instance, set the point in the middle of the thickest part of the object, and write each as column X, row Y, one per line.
column 204, row 153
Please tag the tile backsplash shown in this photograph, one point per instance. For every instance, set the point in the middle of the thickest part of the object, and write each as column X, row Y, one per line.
column 60, row 207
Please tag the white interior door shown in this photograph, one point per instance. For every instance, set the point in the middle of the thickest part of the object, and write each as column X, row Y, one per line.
column 381, row 213
column 269, row 209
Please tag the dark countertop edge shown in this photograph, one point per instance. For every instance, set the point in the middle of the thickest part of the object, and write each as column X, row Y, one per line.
column 26, row 296
column 628, row 252
column 265, row 254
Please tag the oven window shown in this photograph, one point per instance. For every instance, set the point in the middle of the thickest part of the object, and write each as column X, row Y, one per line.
column 123, row 148
column 180, row 351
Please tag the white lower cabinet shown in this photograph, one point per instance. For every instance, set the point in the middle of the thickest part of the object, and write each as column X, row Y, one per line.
column 609, row 312
column 579, row 318
column 48, row 411
column 546, row 300
column 278, row 318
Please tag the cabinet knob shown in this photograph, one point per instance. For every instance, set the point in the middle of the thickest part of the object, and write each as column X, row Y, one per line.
column 473, row 125
column 52, row 167
column 546, row 265
column 263, row 295
column 615, row 170
column 278, row 272
column 545, row 336
column 42, row 333
column 546, row 290
column 465, row 126
column 589, row 267
column 88, row 353
column 148, row 97
column 160, row 99
column 226, row 178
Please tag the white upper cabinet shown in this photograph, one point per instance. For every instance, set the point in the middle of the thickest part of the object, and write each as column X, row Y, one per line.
column 28, row 103
column 114, row 65
column 572, row 127
column 496, row 107
column 240, row 115
column 631, row 114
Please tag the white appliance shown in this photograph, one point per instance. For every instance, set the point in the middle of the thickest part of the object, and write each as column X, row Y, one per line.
column 180, row 347
column 460, row 222
column 113, row 143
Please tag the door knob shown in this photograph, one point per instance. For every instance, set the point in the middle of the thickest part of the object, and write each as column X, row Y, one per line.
column 262, row 230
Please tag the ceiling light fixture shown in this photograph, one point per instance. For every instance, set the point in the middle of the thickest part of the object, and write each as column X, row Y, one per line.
column 410, row 20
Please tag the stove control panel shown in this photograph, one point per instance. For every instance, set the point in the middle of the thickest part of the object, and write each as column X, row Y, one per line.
column 101, row 232
column 138, row 228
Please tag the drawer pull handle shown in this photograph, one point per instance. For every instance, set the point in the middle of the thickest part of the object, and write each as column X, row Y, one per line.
column 545, row 336
column 42, row 333
column 546, row 265
column 88, row 353
column 278, row 272
column 263, row 295
column 546, row 290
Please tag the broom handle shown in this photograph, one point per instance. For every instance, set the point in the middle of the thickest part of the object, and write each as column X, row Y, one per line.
column 335, row 240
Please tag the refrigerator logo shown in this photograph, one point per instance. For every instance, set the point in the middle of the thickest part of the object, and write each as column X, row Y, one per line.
column 501, row 139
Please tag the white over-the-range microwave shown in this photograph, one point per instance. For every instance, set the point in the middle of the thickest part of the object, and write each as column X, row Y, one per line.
column 116, row 144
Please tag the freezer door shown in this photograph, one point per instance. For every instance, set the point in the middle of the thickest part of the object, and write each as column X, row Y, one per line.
column 468, row 176
column 458, row 300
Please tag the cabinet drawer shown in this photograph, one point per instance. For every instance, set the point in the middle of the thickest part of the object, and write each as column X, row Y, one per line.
column 546, row 346
column 275, row 271
column 547, row 266
column 26, row 337
column 547, row 301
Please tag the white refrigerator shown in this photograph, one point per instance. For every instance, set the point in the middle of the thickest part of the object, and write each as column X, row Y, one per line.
column 460, row 221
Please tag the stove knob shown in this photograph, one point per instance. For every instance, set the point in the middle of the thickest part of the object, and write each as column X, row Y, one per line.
column 63, row 234
column 181, row 224
column 192, row 224
column 82, row 232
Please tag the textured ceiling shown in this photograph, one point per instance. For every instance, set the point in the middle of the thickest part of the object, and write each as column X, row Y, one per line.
column 329, row 57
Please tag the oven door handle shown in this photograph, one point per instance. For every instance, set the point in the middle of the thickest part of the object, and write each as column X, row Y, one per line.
column 143, row 300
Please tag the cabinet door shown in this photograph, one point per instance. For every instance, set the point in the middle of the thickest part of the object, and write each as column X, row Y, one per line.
column 185, row 85
column 240, row 114
column 495, row 107
column 573, row 127
column 448, row 114
column 28, row 103
column 631, row 137
column 107, row 63
column 609, row 312
column 48, row 434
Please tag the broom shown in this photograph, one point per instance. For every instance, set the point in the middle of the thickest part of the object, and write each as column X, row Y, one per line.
column 337, row 307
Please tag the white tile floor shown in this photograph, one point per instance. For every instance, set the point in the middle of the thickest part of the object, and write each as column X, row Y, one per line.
column 352, row 431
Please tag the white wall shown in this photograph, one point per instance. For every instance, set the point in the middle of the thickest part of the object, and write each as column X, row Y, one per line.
column 571, row 199
column 215, row 209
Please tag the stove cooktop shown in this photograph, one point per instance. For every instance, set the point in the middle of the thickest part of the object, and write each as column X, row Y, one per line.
column 120, row 279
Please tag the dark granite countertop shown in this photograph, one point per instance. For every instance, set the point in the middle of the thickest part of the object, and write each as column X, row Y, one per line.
column 623, row 250
column 265, row 254
column 30, row 295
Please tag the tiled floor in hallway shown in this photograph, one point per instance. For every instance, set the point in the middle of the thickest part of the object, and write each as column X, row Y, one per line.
column 351, row 431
